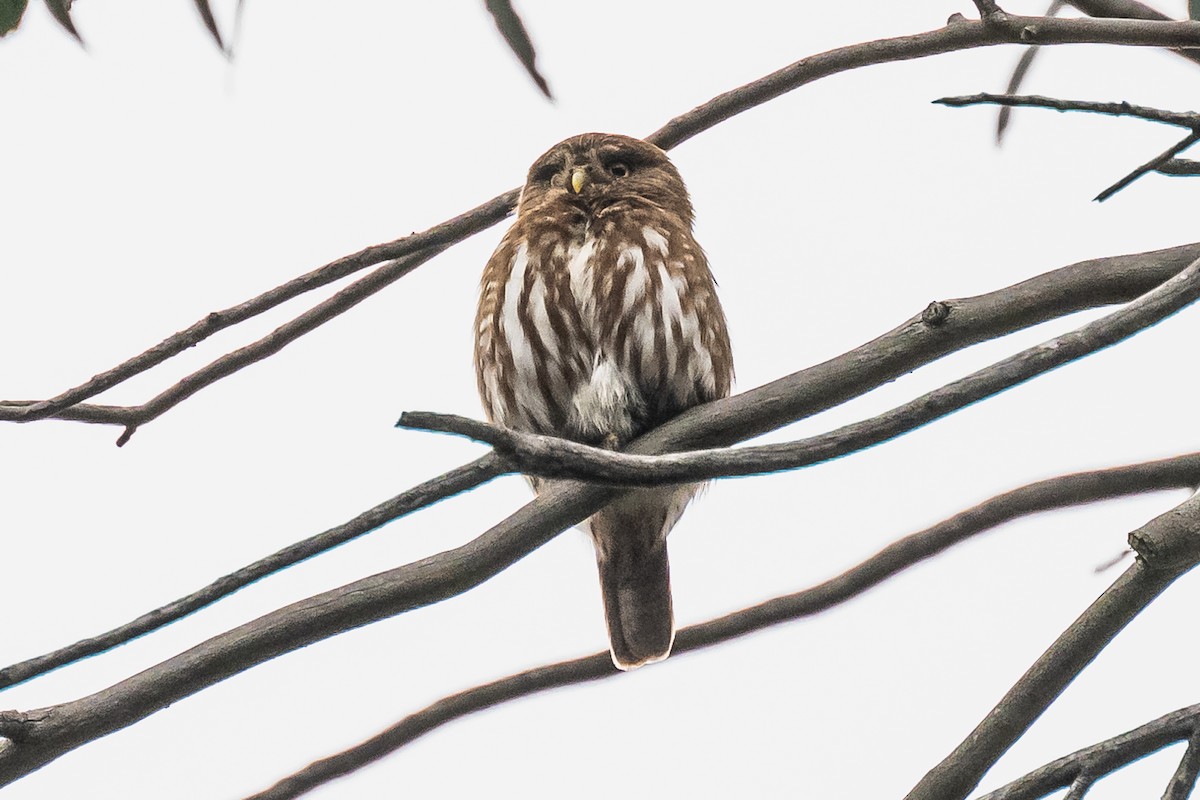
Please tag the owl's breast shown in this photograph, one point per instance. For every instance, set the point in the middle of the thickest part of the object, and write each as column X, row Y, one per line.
column 599, row 331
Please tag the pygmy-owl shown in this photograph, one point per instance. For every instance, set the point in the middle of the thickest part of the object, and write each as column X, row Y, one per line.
column 598, row 320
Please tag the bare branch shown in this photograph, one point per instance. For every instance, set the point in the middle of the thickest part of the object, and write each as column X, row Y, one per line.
column 1062, row 492
column 1187, row 120
column 1184, row 778
column 449, row 232
column 275, row 341
column 1150, row 166
column 987, row 8
column 1080, row 786
column 457, row 480
column 1183, row 167
column 1150, row 575
column 1102, row 758
column 552, row 457
column 961, row 35
column 1183, row 119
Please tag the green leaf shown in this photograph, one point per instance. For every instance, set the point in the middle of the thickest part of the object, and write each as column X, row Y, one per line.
column 513, row 31
column 10, row 14
column 1194, row 9
column 61, row 9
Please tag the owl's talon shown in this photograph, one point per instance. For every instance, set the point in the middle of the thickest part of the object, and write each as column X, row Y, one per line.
column 611, row 442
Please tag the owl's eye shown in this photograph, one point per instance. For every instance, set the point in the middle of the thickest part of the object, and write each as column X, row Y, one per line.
column 544, row 173
column 618, row 169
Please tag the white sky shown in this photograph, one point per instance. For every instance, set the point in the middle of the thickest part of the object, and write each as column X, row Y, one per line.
column 146, row 183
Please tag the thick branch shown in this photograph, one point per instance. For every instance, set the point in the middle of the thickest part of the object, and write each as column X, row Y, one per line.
column 1176, row 534
column 1180, row 166
column 960, row 35
column 1069, row 490
column 457, row 480
column 549, row 456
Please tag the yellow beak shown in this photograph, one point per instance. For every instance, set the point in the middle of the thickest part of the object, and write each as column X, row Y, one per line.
column 579, row 178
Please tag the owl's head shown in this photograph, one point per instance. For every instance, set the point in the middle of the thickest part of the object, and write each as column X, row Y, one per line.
column 595, row 171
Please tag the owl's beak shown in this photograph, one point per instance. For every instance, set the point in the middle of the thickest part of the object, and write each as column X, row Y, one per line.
column 579, row 179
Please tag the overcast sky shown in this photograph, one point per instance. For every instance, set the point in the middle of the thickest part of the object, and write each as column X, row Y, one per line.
column 148, row 182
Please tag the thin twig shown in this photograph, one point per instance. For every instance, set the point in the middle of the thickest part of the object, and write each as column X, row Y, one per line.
column 1188, row 120
column 453, row 482
column 1150, row 166
column 1182, row 119
column 958, row 774
column 277, row 339
column 1034, row 498
column 454, row 230
column 552, row 457
column 962, row 35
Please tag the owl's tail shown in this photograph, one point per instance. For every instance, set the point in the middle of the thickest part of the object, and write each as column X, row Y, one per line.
column 636, row 583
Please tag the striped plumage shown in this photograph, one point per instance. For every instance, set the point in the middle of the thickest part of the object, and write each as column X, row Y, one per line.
column 598, row 319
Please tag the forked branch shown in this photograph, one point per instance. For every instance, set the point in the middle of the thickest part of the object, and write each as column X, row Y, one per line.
column 1092, row 763
column 1167, row 547
column 1189, row 120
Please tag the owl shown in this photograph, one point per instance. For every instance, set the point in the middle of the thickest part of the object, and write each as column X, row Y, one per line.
column 598, row 320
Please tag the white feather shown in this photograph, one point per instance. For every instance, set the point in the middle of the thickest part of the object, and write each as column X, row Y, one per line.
column 602, row 406
column 655, row 240
column 672, row 310
column 531, row 400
